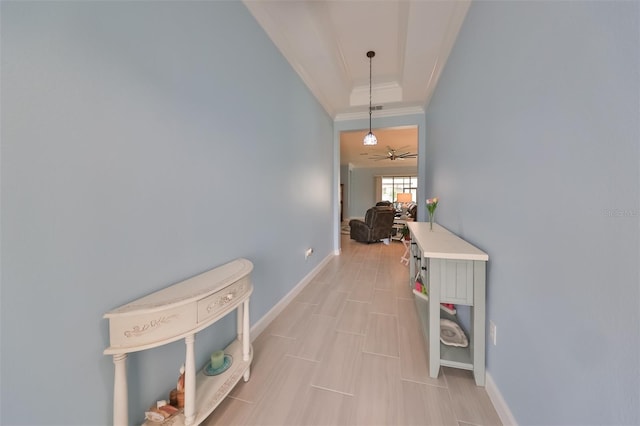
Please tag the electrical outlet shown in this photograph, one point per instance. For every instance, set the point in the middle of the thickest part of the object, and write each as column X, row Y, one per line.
column 492, row 332
column 308, row 253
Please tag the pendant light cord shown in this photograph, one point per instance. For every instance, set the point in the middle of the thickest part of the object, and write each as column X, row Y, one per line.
column 370, row 55
column 370, row 138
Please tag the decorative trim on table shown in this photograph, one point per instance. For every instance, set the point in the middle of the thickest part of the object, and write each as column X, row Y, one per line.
column 151, row 325
column 224, row 389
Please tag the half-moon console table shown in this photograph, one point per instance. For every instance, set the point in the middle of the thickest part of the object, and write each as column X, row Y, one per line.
column 179, row 312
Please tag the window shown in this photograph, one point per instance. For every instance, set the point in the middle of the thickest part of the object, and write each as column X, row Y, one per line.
column 393, row 185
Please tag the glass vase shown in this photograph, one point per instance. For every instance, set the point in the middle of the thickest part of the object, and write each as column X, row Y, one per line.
column 431, row 214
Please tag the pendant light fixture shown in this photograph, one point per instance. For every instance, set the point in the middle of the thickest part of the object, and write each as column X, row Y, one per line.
column 370, row 138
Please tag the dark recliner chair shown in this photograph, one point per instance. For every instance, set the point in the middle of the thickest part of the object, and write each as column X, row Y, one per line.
column 377, row 225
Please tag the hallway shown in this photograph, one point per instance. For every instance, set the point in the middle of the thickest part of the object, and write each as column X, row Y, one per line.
column 349, row 351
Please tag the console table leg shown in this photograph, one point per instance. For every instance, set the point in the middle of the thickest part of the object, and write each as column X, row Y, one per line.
column 240, row 322
column 120, row 393
column 190, row 381
column 434, row 273
column 246, row 344
column 478, row 316
column 245, row 331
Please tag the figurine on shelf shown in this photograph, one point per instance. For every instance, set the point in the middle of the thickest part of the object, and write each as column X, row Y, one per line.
column 173, row 398
column 176, row 397
column 180, row 385
column 160, row 412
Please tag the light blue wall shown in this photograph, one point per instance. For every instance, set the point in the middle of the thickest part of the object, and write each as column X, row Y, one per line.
column 143, row 143
column 532, row 145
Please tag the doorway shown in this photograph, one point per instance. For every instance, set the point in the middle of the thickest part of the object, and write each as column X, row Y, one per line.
column 361, row 166
column 412, row 118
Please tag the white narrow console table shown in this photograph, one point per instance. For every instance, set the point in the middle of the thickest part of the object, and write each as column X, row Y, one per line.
column 179, row 312
column 452, row 271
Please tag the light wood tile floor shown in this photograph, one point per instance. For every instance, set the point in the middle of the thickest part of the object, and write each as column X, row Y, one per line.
column 348, row 350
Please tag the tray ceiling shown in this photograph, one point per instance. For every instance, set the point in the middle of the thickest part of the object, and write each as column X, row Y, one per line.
column 326, row 41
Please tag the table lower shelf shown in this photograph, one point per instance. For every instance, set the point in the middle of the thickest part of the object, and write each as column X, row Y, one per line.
column 211, row 390
column 450, row 356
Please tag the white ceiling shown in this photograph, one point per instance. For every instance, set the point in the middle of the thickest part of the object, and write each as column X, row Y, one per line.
column 403, row 139
column 326, row 42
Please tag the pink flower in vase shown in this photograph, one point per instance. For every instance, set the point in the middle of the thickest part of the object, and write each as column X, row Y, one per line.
column 432, row 203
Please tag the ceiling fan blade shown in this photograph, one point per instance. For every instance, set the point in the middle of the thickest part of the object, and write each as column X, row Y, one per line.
column 407, row 155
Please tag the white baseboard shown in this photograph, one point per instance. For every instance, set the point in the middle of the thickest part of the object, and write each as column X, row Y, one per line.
column 263, row 322
column 498, row 402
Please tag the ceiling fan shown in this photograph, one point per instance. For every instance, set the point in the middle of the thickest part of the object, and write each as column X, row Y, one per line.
column 393, row 154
